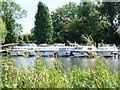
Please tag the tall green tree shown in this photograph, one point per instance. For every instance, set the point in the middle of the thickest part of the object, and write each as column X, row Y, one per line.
column 91, row 23
column 3, row 31
column 43, row 26
column 10, row 12
column 110, row 11
column 61, row 17
column 10, row 26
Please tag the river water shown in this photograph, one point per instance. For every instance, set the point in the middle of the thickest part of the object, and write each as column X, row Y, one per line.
column 68, row 62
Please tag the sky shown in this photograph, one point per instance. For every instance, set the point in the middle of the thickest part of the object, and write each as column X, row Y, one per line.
column 31, row 8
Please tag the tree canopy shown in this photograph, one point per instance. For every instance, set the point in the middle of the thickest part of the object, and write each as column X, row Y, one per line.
column 99, row 20
column 10, row 12
column 110, row 12
column 61, row 17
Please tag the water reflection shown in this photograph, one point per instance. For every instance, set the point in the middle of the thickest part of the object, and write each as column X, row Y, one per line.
column 112, row 63
column 68, row 62
column 23, row 61
column 48, row 61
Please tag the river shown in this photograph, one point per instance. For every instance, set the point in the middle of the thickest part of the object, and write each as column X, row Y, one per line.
column 68, row 62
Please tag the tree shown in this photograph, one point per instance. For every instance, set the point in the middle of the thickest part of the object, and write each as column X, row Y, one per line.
column 110, row 11
column 3, row 31
column 92, row 23
column 43, row 27
column 75, row 31
column 10, row 26
column 9, row 6
column 10, row 12
column 61, row 17
column 18, row 29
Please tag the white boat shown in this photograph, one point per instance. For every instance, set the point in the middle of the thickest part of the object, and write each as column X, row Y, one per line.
column 77, row 51
column 83, row 51
column 64, row 51
column 59, row 45
column 107, row 50
column 13, row 52
column 24, row 50
column 17, row 51
column 74, row 44
column 43, row 45
column 47, row 51
column 31, row 52
column 61, row 50
column 57, row 49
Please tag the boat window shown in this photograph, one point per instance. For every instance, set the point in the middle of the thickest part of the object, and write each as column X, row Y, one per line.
column 78, row 48
column 102, row 48
column 89, row 48
column 62, row 48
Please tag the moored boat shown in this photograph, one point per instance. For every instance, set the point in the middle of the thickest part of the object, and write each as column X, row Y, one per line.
column 17, row 51
column 107, row 50
column 82, row 51
column 47, row 51
column 25, row 49
column 64, row 51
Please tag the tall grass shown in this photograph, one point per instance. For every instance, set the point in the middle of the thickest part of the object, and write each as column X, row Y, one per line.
column 96, row 75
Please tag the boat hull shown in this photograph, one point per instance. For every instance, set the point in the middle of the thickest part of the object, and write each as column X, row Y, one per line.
column 64, row 53
column 46, row 53
column 107, row 53
column 76, row 53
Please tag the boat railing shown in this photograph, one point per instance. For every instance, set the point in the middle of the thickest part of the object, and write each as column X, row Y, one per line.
column 106, row 45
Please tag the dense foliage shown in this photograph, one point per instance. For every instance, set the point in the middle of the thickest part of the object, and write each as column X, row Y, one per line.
column 43, row 27
column 99, row 20
column 61, row 17
column 69, row 22
column 96, row 75
column 10, row 12
column 91, row 23
column 110, row 12
column 18, row 29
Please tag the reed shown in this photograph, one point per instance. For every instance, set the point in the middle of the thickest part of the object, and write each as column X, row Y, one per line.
column 96, row 75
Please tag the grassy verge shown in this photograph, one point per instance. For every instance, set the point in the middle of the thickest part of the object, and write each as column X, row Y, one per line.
column 96, row 75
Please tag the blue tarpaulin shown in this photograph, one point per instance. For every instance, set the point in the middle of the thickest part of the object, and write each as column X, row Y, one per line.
column 24, row 44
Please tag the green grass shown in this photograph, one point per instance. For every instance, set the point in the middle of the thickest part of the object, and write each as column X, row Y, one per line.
column 40, row 76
